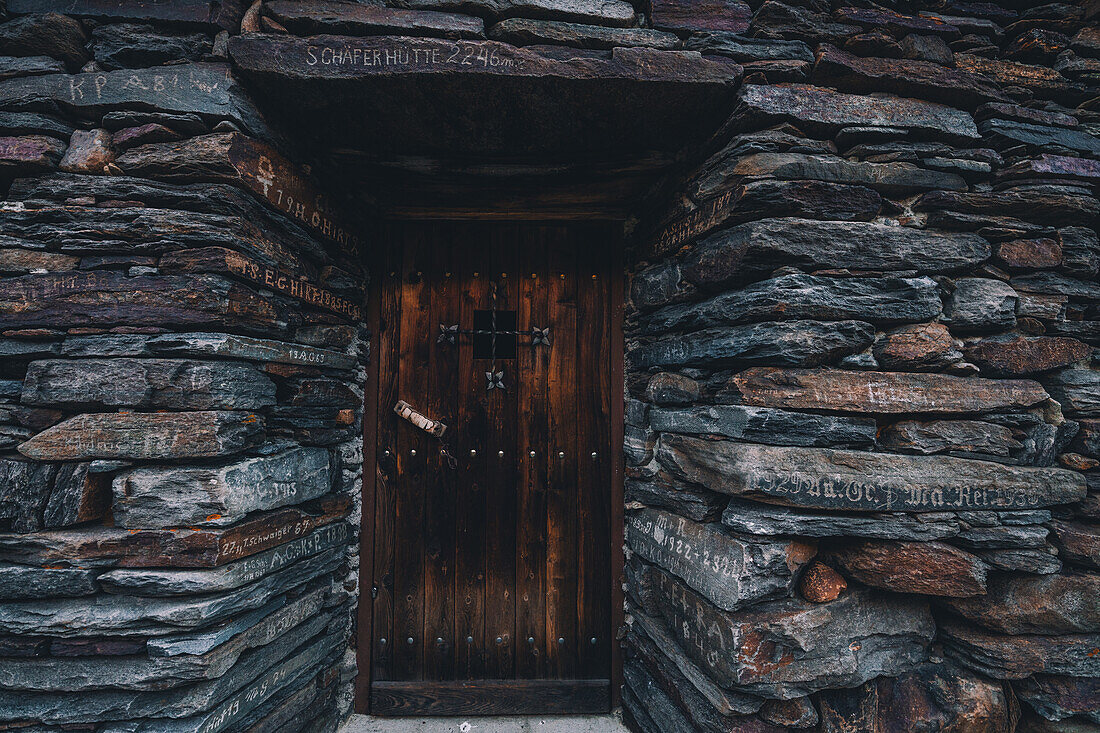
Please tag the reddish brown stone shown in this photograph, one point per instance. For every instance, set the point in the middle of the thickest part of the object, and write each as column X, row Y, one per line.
column 1088, row 438
column 1078, row 462
column 29, row 154
column 1018, row 356
column 1078, row 543
column 881, row 392
column 1043, row 81
column 1030, row 254
column 940, row 436
column 896, row 23
column 1036, row 604
column 1015, row 657
column 1057, row 696
column 929, row 568
column 919, row 348
column 821, row 584
column 90, row 151
column 152, row 132
column 701, row 15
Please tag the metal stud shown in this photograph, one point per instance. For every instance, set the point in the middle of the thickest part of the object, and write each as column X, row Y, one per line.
column 439, row 640
column 446, row 274
column 477, row 274
column 530, row 640
column 504, row 274
column 561, row 454
column 382, row 641
column 412, row 452
column 592, row 641
column 500, row 454
column 595, row 454
column 469, row 640
column 385, row 453
column 595, row 276
column 472, row 453
column 532, row 454
column 500, row 640
column 409, row 641
column 561, row 641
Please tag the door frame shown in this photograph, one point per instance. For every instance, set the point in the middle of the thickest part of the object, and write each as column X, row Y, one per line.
column 364, row 612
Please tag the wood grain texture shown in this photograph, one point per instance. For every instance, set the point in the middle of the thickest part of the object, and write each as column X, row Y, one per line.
column 491, row 697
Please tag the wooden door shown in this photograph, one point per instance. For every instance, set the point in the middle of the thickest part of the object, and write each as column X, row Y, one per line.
column 491, row 588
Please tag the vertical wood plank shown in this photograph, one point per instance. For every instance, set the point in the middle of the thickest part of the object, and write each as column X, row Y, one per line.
column 472, row 427
column 440, row 403
column 500, row 553
column 531, row 383
column 413, row 359
column 618, row 468
column 385, row 351
column 562, row 496
column 593, row 344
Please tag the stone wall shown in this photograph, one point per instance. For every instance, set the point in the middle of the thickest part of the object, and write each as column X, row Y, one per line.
column 862, row 379
column 181, row 371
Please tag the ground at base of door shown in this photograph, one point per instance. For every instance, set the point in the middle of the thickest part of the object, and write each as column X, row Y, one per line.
column 517, row 724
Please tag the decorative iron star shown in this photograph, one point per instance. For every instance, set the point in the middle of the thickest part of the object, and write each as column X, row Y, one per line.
column 540, row 336
column 496, row 380
column 447, row 334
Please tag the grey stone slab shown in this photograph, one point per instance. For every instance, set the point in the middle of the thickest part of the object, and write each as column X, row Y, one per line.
column 750, row 517
column 766, row 425
column 25, row 582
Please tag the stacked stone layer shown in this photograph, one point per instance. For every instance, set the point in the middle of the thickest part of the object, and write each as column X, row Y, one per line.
column 862, row 379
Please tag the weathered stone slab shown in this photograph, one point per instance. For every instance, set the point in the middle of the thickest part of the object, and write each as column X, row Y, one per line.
column 895, row 179
column 222, row 261
column 1043, row 205
column 1042, row 604
column 29, row 154
column 256, row 675
column 658, row 492
column 183, row 548
column 200, row 642
column 727, row 570
column 882, row 392
column 981, row 304
column 1056, row 697
column 252, row 165
column 1078, row 390
column 907, row 77
column 49, row 495
column 750, row 517
column 1043, row 81
column 109, row 614
column 731, row 16
column 744, row 48
column 232, row 575
column 242, row 347
column 1016, row 355
column 154, row 673
column 946, row 436
column 927, row 568
column 941, row 691
column 827, row 108
column 24, row 582
column 358, row 19
column 875, row 300
column 856, row 481
column 1016, row 657
column 174, row 384
column 791, row 648
column 135, row 46
column 751, row 251
column 158, row 497
column 189, row 12
column 13, row 66
column 1078, row 542
column 22, row 261
column 207, row 89
column 924, row 347
column 766, row 425
column 146, row 436
column 1040, row 561
column 795, row 343
column 1053, row 283
column 1054, row 166
column 526, row 32
column 663, row 648
column 103, row 298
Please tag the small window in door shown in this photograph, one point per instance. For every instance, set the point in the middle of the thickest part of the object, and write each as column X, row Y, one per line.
column 504, row 330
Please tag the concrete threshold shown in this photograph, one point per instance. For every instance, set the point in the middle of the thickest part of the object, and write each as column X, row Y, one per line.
column 518, row 724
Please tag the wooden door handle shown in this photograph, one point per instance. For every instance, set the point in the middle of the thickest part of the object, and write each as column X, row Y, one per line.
column 432, row 427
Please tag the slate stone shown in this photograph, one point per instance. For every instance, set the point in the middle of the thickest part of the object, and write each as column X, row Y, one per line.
column 729, row 571
column 875, row 300
column 925, row 347
column 795, row 343
column 597, row 12
column 245, row 347
column 108, row 614
column 825, row 478
column 1004, row 537
column 815, row 643
column 927, row 48
column 525, row 32
column 29, row 154
column 151, row 132
column 146, row 436
column 185, row 12
column 893, row 179
column 14, row 66
column 779, row 20
column 1019, row 656
column 1038, row 604
column 882, row 392
column 731, row 16
column 1030, row 254
column 25, row 582
column 980, row 304
column 896, row 23
column 1015, row 355
column 699, row 505
column 1043, row 82
column 747, row 49
column 1077, row 390
column 807, row 199
column 133, row 45
column 1078, row 542
column 669, row 388
column 953, row 697
column 359, row 19
column 49, row 34
column 31, row 123
column 156, row 497
column 750, row 517
column 1052, row 283
column 1045, row 138
column 174, row 384
column 1037, row 561
column 1047, row 205
column 927, row 568
column 766, row 425
column 156, row 673
column 1080, row 251
column 820, row 108
column 185, row 124
column 906, row 77
column 1057, row 697
column 232, row 575
column 751, row 251
column 950, row 436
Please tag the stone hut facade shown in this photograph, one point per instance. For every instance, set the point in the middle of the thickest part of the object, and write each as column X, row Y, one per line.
column 854, row 411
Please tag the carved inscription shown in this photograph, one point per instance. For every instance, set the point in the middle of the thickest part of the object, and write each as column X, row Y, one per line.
column 84, row 88
column 688, row 227
column 320, row 539
column 242, row 545
column 284, row 282
column 290, row 191
column 416, row 54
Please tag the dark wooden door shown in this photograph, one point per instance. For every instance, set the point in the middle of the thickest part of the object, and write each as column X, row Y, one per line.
column 492, row 576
